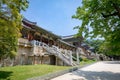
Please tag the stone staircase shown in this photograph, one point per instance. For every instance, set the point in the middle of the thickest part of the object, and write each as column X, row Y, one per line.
column 65, row 57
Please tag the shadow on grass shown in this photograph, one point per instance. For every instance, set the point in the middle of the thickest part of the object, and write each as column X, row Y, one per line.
column 4, row 75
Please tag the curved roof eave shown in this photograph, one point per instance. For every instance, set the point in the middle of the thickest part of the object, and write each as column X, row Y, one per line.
column 66, row 43
column 38, row 28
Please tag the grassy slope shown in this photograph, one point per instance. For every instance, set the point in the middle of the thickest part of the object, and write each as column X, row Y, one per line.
column 27, row 71
column 82, row 63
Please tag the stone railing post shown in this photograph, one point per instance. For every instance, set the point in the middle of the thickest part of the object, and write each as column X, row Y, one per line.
column 71, row 60
column 77, row 54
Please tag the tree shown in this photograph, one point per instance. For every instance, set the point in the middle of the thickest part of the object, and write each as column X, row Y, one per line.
column 101, row 18
column 10, row 25
column 94, row 44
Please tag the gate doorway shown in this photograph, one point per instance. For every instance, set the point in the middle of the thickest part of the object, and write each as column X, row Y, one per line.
column 52, row 60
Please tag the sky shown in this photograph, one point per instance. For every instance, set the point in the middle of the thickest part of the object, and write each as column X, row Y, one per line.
column 54, row 15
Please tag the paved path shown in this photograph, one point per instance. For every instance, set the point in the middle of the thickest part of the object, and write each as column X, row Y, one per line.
column 107, row 70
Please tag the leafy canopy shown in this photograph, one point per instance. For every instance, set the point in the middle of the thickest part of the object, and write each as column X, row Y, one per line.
column 94, row 44
column 10, row 25
column 101, row 18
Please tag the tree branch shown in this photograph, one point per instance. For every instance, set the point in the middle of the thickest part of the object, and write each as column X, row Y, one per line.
column 117, row 13
column 3, row 18
column 117, row 8
column 113, row 14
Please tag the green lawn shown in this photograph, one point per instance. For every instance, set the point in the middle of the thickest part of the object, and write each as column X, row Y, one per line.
column 27, row 71
column 82, row 63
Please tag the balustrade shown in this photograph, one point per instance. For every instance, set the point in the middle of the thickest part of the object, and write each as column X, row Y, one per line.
column 65, row 55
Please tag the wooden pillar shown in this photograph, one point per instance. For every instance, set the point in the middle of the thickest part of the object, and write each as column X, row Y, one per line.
column 51, row 43
column 41, row 37
column 48, row 41
column 58, row 44
column 61, row 45
column 54, row 43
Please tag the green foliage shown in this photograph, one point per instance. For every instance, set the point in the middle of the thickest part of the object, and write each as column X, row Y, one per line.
column 86, row 62
column 29, row 71
column 95, row 44
column 85, row 59
column 101, row 18
column 10, row 25
column 112, row 44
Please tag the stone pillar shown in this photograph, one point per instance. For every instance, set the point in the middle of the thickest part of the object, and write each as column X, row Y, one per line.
column 77, row 54
column 71, row 60
column 41, row 38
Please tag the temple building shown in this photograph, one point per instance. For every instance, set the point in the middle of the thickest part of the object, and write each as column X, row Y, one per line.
column 39, row 46
column 82, row 49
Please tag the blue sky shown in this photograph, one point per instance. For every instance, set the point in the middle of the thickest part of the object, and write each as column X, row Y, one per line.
column 54, row 15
